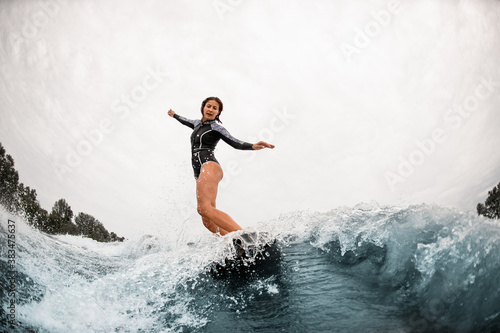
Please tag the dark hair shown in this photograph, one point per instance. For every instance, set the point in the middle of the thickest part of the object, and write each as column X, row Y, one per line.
column 217, row 99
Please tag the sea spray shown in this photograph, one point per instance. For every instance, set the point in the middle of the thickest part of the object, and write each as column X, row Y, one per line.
column 408, row 269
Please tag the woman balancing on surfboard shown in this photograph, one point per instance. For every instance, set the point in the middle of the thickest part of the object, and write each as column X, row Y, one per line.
column 207, row 171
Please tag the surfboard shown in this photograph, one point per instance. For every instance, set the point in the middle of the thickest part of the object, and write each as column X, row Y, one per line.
column 254, row 254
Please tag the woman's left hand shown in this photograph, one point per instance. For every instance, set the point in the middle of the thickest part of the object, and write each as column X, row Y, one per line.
column 171, row 113
column 261, row 145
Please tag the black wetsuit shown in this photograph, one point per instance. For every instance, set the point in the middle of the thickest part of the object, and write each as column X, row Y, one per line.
column 205, row 137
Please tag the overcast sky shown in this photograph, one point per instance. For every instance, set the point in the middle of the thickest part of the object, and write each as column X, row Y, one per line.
column 396, row 102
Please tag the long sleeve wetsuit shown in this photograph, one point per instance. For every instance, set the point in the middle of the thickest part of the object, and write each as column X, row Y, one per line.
column 205, row 137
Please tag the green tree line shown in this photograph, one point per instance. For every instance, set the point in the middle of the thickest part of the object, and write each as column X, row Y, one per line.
column 491, row 207
column 21, row 200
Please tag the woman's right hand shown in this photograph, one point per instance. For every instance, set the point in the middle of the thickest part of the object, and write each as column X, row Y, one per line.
column 261, row 145
column 171, row 113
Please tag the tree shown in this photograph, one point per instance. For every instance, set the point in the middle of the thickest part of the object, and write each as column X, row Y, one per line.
column 21, row 200
column 29, row 207
column 90, row 227
column 84, row 223
column 115, row 238
column 99, row 233
column 60, row 219
column 9, row 180
column 491, row 207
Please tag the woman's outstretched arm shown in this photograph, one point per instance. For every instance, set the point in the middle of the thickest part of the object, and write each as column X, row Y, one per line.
column 238, row 144
column 188, row 122
column 261, row 145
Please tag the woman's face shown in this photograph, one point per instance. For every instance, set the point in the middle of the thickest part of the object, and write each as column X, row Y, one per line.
column 211, row 110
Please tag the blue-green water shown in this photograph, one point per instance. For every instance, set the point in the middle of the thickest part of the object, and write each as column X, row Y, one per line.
column 362, row 269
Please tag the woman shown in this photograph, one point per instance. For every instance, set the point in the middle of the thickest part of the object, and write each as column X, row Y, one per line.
column 207, row 171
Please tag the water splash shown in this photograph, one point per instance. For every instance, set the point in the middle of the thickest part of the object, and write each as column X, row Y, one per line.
column 428, row 267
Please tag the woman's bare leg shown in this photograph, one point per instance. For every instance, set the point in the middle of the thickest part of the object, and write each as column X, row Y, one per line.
column 206, row 193
column 213, row 227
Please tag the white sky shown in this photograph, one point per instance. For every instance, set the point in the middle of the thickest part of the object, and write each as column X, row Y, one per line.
column 345, row 90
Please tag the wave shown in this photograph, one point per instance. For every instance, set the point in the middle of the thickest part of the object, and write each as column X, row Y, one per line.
column 439, row 265
column 425, row 267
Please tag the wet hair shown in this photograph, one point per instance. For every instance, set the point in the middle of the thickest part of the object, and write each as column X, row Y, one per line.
column 217, row 99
